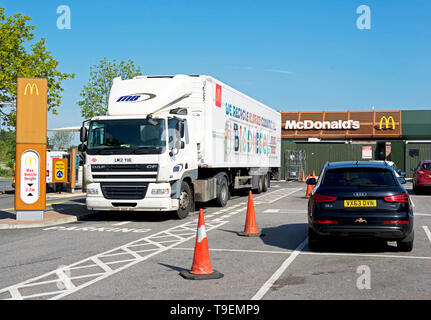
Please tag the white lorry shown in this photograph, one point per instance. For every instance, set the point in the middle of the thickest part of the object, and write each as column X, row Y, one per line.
column 169, row 141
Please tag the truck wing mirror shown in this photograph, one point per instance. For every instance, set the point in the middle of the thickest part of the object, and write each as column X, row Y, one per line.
column 180, row 128
column 83, row 132
column 82, row 147
column 180, row 145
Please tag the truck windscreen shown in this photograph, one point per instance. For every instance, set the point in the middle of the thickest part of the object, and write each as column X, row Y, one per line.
column 129, row 136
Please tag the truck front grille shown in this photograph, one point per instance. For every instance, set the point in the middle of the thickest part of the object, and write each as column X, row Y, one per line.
column 124, row 168
column 124, row 190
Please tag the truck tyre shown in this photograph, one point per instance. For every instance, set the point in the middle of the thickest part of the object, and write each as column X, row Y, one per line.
column 185, row 204
column 259, row 186
column 223, row 194
column 265, row 183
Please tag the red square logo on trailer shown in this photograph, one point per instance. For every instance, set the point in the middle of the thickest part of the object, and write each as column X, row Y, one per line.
column 218, row 96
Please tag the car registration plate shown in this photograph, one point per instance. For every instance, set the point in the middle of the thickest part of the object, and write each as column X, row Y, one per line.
column 359, row 203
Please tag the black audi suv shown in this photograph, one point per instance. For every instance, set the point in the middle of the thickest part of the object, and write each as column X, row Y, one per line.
column 360, row 199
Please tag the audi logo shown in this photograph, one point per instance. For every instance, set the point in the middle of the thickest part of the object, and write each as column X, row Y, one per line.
column 359, row 194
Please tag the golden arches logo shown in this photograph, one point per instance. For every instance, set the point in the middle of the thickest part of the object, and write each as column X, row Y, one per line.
column 388, row 120
column 32, row 86
column 32, row 160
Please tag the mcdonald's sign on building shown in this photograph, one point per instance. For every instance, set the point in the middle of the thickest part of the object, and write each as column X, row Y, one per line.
column 341, row 125
column 31, row 125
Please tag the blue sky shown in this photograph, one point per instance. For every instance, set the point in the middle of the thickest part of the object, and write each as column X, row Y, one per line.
column 290, row 55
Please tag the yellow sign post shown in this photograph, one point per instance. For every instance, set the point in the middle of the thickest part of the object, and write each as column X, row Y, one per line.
column 30, row 161
column 59, row 170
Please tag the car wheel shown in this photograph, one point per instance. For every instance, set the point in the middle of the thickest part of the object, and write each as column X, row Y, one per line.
column 314, row 241
column 416, row 189
column 185, row 202
column 223, row 195
column 406, row 245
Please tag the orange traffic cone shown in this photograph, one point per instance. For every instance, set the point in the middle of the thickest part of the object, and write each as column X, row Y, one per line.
column 309, row 188
column 250, row 229
column 201, row 267
column 313, row 176
column 303, row 176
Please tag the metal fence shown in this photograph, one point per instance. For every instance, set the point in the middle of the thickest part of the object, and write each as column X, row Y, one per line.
column 294, row 163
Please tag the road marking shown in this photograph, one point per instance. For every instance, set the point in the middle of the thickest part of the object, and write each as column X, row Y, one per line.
column 179, row 234
column 428, row 232
column 422, row 214
column 121, row 223
column 413, row 204
column 315, row 253
column 268, row 284
column 271, row 210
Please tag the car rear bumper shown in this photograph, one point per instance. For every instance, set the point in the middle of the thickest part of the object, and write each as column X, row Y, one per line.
column 374, row 227
column 389, row 233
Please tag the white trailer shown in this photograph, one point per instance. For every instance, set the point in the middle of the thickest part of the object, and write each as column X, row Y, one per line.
column 169, row 141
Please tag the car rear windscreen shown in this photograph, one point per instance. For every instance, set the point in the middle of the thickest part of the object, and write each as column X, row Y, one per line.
column 359, row 177
column 427, row 166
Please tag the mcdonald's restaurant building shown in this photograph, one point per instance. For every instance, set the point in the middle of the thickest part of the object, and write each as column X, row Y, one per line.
column 310, row 139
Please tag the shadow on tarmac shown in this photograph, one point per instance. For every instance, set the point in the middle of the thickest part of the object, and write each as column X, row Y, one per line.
column 289, row 236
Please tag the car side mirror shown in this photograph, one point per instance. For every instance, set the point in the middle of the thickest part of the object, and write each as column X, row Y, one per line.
column 402, row 180
column 311, row 181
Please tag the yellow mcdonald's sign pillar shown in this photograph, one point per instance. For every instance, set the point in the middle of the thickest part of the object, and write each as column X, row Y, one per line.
column 30, row 161
column 388, row 121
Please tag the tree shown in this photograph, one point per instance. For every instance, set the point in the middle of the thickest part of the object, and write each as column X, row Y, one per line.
column 16, row 61
column 95, row 94
column 61, row 140
column 7, row 145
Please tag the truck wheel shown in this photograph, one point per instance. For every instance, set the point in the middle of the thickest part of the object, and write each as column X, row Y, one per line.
column 265, row 183
column 185, row 202
column 223, row 194
column 259, row 186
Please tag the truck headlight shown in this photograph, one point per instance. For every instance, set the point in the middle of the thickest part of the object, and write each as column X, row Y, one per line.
column 92, row 191
column 159, row 191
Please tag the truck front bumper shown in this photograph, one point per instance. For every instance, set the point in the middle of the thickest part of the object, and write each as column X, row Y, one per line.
column 97, row 201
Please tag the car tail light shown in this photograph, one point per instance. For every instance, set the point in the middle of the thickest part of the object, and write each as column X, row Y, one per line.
column 326, row 221
column 396, row 222
column 403, row 197
column 420, row 172
column 323, row 198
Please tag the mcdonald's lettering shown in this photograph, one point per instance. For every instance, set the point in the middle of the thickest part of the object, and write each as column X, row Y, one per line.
column 387, row 120
column 32, row 87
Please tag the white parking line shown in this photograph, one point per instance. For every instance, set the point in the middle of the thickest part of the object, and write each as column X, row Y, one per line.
column 121, row 223
column 268, row 284
column 315, row 253
column 422, row 214
column 427, row 232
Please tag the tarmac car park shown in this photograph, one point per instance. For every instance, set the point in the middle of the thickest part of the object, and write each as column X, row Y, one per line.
column 132, row 256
